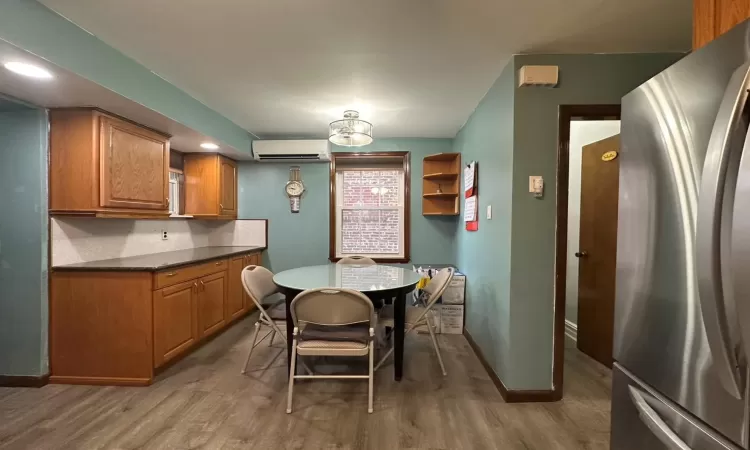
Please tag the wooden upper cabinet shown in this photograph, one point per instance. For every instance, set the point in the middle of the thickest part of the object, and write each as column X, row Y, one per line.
column 712, row 18
column 104, row 166
column 210, row 186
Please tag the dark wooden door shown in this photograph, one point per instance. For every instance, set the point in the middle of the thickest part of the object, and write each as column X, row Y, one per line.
column 597, row 250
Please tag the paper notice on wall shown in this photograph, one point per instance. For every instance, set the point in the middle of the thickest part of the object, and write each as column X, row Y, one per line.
column 470, row 209
column 469, row 182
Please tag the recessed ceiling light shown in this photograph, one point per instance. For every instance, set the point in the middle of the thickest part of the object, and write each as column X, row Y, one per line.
column 209, row 146
column 28, row 70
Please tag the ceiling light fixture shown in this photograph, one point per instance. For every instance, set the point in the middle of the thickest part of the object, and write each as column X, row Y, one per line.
column 209, row 146
column 351, row 131
column 28, row 70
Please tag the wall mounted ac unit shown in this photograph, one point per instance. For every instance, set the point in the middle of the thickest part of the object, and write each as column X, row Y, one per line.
column 296, row 151
column 544, row 76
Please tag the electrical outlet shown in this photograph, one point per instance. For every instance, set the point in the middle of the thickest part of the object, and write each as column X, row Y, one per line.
column 164, row 235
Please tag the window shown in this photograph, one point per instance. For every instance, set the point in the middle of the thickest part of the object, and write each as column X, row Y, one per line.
column 370, row 206
column 176, row 184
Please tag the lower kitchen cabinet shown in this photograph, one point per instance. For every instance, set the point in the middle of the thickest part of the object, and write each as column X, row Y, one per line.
column 115, row 328
column 175, row 321
column 212, row 293
column 236, row 296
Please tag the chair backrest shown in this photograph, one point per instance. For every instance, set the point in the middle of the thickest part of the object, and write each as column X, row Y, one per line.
column 332, row 307
column 437, row 285
column 361, row 260
column 258, row 283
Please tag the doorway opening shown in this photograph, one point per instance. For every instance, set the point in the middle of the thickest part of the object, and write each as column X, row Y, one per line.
column 585, row 133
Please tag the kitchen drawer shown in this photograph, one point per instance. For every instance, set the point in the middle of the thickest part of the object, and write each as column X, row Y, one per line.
column 187, row 273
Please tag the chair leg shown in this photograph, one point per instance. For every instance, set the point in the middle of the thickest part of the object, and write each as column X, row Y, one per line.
column 273, row 335
column 252, row 346
column 382, row 360
column 291, row 378
column 437, row 349
column 371, row 377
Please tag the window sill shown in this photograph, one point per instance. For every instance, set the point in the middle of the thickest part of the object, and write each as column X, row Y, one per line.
column 379, row 260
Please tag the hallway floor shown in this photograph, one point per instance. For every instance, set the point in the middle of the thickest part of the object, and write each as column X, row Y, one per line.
column 204, row 402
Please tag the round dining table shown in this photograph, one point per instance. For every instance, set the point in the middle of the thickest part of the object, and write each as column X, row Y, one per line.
column 378, row 282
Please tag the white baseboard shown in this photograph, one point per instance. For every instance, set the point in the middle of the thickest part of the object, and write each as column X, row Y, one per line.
column 571, row 330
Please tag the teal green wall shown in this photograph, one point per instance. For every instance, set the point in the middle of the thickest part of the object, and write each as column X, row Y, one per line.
column 35, row 28
column 584, row 79
column 301, row 239
column 484, row 255
column 23, row 241
column 509, row 262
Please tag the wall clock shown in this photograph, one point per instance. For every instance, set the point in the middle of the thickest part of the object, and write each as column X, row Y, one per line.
column 294, row 188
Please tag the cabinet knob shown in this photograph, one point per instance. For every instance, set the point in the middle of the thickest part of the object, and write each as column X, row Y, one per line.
column 171, row 274
column 203, row 286
column 221, row 206
column 218, row 263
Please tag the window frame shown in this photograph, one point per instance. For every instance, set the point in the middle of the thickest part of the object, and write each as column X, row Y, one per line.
column 363, row 158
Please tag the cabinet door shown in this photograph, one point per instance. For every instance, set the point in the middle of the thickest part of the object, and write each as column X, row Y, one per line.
column 236, row 296
column 175, row 321
column 212, row 292
column 227, row 187
column 134, row 166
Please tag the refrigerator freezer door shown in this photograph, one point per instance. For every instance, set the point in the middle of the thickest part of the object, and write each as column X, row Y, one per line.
column 659, row 331
column 644, row 420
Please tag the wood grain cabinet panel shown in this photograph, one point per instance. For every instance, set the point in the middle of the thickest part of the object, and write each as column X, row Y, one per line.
column 228, row 187
column 236, row 294
column 712, row 18
column 175, row 321
column 104, row 166
column 210, row 186
column 134, row 166
column 212, row 291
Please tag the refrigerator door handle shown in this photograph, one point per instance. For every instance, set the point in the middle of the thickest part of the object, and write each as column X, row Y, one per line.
column 655, row 423
column 740, row 245
column 724, row 135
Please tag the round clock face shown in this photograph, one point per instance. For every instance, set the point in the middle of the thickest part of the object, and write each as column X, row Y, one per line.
column 294, row 189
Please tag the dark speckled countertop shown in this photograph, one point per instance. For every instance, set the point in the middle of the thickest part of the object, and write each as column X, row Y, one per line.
column 159, row 261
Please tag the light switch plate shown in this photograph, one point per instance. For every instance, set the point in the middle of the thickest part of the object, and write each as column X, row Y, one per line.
column 489, row 212
column 536, row 185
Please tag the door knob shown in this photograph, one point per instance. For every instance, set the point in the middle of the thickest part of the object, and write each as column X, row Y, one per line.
column 582, row 254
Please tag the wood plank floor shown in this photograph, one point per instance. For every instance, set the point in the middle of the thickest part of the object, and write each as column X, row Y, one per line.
column 204, row 402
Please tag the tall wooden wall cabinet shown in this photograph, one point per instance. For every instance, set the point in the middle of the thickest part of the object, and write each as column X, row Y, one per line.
column 103, row 166
column 712, row 18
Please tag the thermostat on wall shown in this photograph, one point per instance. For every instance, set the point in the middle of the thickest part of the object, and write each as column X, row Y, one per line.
column 544, row 76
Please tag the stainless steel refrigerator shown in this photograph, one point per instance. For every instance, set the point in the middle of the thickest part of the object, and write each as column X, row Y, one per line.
column 682, row 315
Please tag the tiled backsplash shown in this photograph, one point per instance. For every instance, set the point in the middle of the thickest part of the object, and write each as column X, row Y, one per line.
column 79, row 240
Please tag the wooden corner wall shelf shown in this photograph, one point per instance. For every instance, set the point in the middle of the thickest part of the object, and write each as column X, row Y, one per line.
column 441, row 184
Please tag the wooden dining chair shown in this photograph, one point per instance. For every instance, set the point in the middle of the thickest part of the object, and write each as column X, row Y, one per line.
column 359, row 260
column 332, row 322
column 417, row 316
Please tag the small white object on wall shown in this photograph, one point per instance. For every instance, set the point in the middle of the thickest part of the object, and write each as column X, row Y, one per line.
column 543, row 76
column 536, row 186
column 489, row 212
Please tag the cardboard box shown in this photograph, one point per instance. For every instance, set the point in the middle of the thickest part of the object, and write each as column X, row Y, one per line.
column 451, row 319
column 455, row 292
column 434, row 317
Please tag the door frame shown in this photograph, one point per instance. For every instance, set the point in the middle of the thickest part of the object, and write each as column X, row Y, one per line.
column 567, row 113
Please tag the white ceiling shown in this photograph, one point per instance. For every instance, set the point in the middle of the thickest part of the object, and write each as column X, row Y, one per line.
column 413, row 68
column 66, row 89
